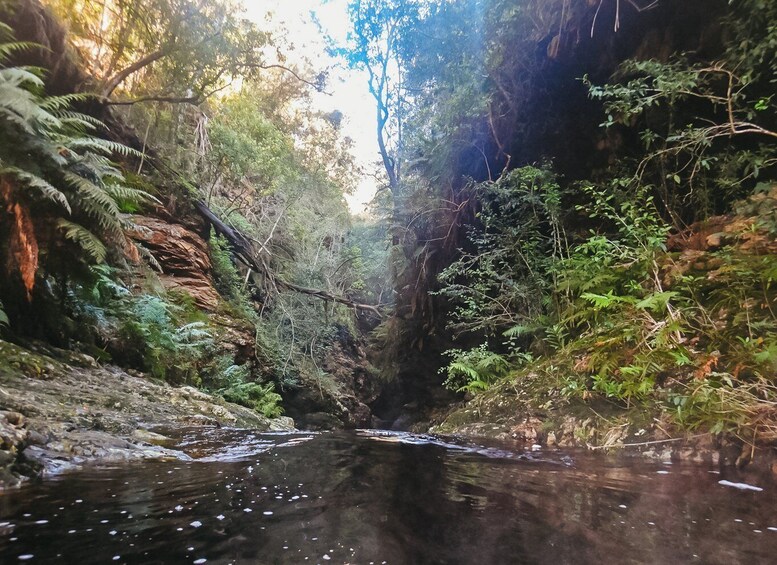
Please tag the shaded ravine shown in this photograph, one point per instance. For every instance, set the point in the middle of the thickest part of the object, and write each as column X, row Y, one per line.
column 375, row 497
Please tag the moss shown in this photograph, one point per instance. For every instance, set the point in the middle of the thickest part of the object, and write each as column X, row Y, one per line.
column 17, row 362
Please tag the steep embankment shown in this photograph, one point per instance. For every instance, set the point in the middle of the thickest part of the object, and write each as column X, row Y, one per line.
column 122, row 264
column 713, row 405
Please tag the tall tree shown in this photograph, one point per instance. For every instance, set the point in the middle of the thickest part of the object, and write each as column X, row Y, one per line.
column 374, row 47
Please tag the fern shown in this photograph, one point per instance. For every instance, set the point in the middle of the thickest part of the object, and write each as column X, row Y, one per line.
column 656, row 301
column 104, row 146
column 475, row 369
column 84, row 238
column 457, row 367
column 62, row 102
column 605, row 301
column 518, row 331
column 23, row 76
column 33, row 181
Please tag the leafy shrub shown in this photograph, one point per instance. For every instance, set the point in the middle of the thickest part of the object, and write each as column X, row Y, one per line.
column 502, row 282
column 226, row 276
column 155, row 339
column 259, row 397
column 474, row 370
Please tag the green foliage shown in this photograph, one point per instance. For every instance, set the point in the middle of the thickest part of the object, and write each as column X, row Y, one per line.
column 187, row 44
column 156, row 335
column 261, row 398
column 474, row 370
column 58, row 179
column 235, row 383
column 503, row 280
column 226, row 277
column 708, row 128
column 366, row 245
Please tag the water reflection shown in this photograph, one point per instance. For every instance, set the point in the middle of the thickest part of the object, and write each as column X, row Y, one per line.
column 374, row 497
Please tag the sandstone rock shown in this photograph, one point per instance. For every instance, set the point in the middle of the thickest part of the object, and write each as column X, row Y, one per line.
column 150, row 437
column 281, row 424
column 183, row 256
column 527, row 431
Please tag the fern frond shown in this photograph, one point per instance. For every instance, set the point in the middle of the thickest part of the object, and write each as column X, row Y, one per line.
column 604, row 301
column 57, row 103
column 8, row 49
column 134, row 195
column 92, row 191
column 517, row 331
column 18, row 76
column 104, row 146
column 149, row 257
column 34, row 181
column 21, row 107
column 656, row 301
column 461, row 368
column 97, row 204
column 83, row 237
column 80, row 123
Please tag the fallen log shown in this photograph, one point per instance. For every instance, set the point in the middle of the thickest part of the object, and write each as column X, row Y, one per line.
column 243, row 250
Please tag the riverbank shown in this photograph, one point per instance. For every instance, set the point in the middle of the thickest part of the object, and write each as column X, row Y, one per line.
column 528, row 409
column 60, row 410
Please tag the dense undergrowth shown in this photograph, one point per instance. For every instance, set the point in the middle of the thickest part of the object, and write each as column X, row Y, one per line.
column 77, row 271
column 643, row 309
column 601, row 227
column 585, row 208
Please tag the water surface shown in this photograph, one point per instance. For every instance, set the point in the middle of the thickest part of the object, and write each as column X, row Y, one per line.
column 373, row 497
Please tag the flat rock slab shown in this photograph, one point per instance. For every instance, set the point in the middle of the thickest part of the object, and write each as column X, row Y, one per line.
column 56, row 415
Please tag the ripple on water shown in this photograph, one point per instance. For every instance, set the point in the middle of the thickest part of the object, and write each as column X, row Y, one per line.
column 386, row 497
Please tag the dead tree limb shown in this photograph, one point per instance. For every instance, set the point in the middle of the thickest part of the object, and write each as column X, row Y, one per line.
column 243, row 251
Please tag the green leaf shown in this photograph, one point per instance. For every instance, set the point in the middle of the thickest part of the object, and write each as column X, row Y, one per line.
column 83, row 237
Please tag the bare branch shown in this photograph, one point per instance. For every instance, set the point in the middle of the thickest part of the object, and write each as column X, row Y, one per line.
column 243, row 251
column 296, row 75
column 194, row 100
column 113, row 82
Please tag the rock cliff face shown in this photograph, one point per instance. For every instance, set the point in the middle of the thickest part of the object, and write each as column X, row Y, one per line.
column 183, row 256
column 341, row 398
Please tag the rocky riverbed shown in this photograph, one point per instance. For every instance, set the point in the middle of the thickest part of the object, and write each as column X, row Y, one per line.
column 61, row 410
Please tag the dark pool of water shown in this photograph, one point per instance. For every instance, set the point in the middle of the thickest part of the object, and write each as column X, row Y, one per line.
column 375, row 497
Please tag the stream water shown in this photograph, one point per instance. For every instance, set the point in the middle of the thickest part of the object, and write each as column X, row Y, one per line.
column 373, row 497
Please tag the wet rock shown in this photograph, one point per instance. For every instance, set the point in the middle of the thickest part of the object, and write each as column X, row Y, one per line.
column 527, row 431
column 282, row 424
column 14, row 418
column 404, row 422
column 152, row 438
column 199, row 420
column 320, row 421
column 92, row 414
column 345, row 393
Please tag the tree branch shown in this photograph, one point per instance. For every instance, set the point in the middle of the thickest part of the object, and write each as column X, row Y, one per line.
column 244, row 253
column 294, row 73
column 113, row 82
